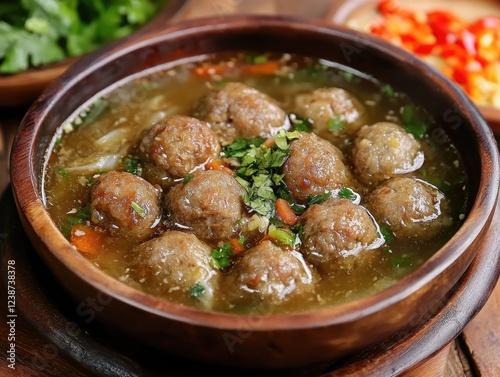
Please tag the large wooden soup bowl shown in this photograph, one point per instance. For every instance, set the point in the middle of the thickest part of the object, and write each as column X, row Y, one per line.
column 266, row 340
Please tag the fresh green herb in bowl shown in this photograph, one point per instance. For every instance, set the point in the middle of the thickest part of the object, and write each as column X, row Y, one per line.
column 38, row 32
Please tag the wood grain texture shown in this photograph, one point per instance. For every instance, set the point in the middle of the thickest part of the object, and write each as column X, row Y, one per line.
column 432, row 367
column 482, row 337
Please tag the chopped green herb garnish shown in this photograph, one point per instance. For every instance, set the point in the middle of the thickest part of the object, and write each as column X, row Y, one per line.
column 63, row 173
column 243, row 240
column 131, row 164
column 387, row 234
column 222, row 84
column 196, row 290
column 259, row 170
column 260, row 59
column 298, row 229
column 417, row 129
column 314, row 72
column 401, row 261
column 387, row 249
column 137, row 208
column 414, row 121
column 221, row 257
column 240, row 145
column 187, row 178
column 388, row 91
column 318, row 198
column 282, row 236
column 76, row 217
column 347, row 76
column 58, row 141
column 336, row 124
column 301, row 124
column 347, row 193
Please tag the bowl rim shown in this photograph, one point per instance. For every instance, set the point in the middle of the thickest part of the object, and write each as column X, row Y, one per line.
column 30, row 203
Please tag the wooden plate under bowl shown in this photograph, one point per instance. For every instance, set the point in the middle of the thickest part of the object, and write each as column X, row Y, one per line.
column 24, row 87
column 357, row 14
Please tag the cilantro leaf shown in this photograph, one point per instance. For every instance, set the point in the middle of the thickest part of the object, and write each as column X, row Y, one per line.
column 37, row 32
column 259, row 170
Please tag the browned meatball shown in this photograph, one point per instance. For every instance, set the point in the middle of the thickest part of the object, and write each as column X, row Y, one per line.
column 210, row 204
column 324, row 104
column 339, row 234
column 126, row 204
column 314, row 167
column 174, row 147
column 172, row 264
column 410, row 207
column 385, row 150
column 270, row 274
column 238, row 110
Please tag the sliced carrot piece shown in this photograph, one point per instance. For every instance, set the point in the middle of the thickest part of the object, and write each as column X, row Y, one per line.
column 285, row 212
column 209, row 70
column 236, row 246
column 87, row 240
column 267, row 68
column 216, row 165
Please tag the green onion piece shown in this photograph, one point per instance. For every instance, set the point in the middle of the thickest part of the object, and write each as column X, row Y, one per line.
column 137, row 208
column 298, row 229
column 318, row 198
column 336, row 124
column 282, row 236
column 187, row 178
column 347, row 193
column 221, row 257
column 259, row 59
column 197, row 290
column 416, row 129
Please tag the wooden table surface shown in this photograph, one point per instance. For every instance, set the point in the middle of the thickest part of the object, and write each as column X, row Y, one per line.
column 476, row 352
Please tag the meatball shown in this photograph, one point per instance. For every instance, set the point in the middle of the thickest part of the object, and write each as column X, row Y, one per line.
column 339, row 235
column 385, row 150
column 314, row 167
column 211, row 204
column 126, row 204
column 238, row 110
column 324, row 104
column 267, row 273
column 174, row 147
column 410, row 207
column 172, row 264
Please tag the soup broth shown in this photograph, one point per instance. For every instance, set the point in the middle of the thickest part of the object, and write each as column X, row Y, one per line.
column 302, row 212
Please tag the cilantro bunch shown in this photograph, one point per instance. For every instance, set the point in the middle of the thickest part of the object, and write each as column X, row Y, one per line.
column 37, row 32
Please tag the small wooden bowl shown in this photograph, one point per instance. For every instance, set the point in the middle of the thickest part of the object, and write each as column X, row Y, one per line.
column 271, row 341
column 23, row 88
column 357, row 14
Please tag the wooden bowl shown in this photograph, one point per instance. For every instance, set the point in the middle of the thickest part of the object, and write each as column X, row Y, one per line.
column 358, row 14
column 23, row 88
column 271, row 341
